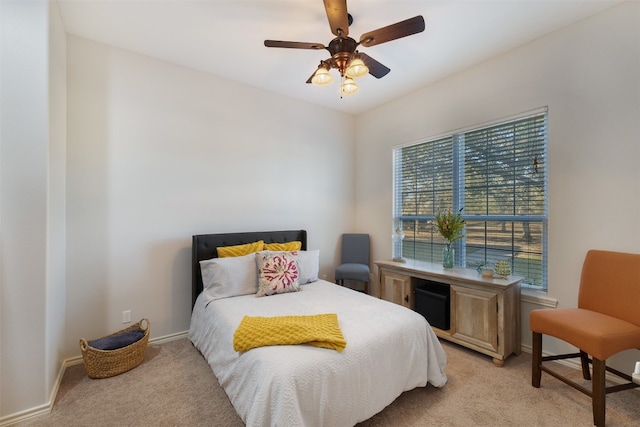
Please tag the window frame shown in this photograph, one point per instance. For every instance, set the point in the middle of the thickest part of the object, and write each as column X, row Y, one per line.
column 458, row 193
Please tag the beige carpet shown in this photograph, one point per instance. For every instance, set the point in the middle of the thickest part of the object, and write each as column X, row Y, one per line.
column 174, row 386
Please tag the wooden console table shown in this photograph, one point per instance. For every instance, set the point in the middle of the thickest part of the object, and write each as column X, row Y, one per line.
column 484, row 313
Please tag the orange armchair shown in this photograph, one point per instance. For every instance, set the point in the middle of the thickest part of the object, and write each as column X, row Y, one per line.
column 606, row 322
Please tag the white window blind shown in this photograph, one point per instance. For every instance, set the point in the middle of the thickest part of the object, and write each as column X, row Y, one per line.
column 497, row 177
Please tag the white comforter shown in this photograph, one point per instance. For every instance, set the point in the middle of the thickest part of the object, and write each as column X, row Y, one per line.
column 390, row 349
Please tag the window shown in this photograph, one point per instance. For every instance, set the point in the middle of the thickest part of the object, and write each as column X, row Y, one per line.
column 497, row 177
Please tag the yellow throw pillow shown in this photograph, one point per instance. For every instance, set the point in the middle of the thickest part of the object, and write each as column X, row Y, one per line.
column 288, row 246
column 240, row 250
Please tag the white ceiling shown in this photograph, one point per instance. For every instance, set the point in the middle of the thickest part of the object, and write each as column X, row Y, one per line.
column 225, row 38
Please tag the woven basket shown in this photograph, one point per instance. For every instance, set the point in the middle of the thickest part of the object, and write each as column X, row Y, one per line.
column 108, row 363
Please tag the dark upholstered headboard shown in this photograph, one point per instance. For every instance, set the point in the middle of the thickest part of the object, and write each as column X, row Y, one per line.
column 204, row 247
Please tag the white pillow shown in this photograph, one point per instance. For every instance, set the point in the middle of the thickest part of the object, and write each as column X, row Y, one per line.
column 229, row 277
column 308, row 265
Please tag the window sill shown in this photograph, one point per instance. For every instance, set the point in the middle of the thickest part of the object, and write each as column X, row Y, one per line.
column 532, row 296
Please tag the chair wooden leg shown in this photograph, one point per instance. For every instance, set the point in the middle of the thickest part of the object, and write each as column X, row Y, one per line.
column 536, row 359
column 366, row 288
column 599, row 391
column 584, row 359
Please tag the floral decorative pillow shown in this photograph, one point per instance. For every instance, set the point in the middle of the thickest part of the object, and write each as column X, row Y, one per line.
column 308, row 264
column 277, row 273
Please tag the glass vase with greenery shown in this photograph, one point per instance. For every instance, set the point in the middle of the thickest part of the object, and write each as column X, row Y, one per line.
column 451, row 227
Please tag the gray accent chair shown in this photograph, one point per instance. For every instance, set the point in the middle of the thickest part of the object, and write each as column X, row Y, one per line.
column 354, row 260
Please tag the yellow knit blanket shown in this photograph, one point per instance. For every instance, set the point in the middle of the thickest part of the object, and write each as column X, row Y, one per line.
column 318, row 330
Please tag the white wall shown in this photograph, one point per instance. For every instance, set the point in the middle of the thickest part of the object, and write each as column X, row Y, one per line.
column 157, row 153
column 32, row 140
column 56, row 197
column 588, row 76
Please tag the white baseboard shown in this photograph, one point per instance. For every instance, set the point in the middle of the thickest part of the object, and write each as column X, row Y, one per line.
column 171, row 337
column 47, row 407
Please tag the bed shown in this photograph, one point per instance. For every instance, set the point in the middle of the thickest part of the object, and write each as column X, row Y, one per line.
column 389, row 349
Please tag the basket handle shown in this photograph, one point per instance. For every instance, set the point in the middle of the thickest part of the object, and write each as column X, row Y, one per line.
column 83, row 344
column 144, row 324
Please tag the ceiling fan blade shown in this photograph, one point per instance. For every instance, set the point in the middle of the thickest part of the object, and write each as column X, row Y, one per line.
column 338, row 16
column 394, row 31
column 376, row 69
column 293, row 45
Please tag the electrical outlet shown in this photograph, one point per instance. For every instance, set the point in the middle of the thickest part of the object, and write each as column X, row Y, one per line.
column 126, row 316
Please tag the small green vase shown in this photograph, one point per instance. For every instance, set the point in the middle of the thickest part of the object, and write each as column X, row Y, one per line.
column 448, row 256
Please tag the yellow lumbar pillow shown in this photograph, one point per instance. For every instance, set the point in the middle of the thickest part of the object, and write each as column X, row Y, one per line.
column 240, row 250
column 288, row 246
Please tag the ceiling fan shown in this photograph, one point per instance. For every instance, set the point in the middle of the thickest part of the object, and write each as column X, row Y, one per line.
column 345, row 57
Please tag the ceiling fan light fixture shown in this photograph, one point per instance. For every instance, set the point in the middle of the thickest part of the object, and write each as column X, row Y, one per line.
column 356, row 67
column 322, row 77
column 345, row 57
column 348, row 87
